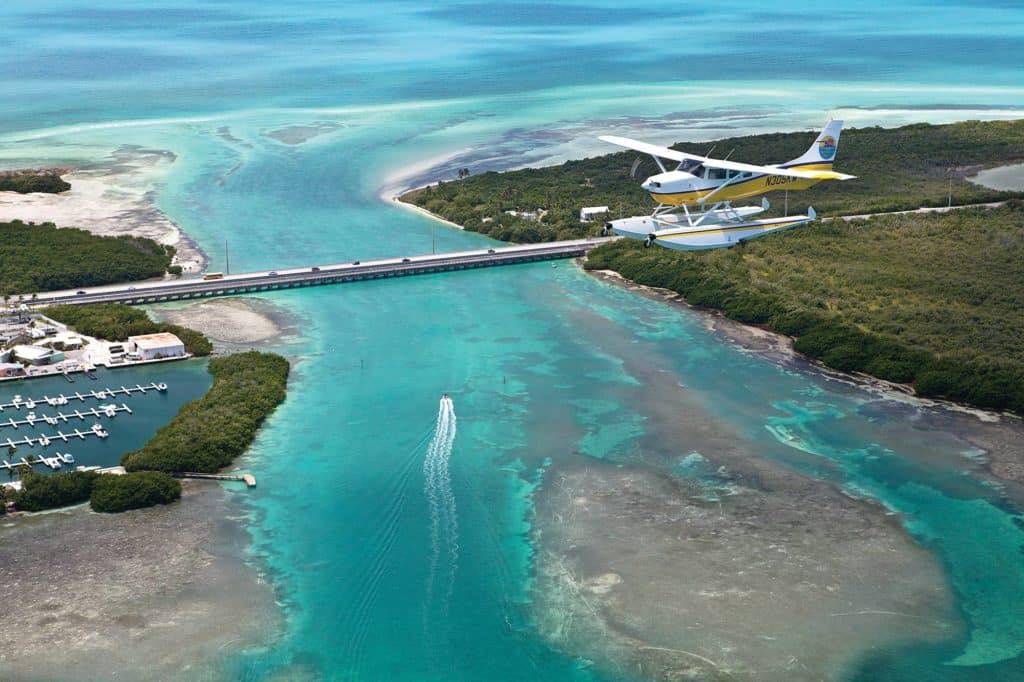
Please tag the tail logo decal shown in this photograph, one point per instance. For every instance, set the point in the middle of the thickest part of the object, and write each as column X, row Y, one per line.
column 827, row 147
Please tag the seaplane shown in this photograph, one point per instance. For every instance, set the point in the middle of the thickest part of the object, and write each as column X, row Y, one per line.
column 711, row 185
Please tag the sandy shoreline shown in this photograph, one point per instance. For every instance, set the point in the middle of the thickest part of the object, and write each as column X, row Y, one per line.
column 424, row 212
column 111, row 198
column 152, row 594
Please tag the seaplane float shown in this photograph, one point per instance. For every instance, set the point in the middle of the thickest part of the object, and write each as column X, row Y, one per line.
column 711, row 185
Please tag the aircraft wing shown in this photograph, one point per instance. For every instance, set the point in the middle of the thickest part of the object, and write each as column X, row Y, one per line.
column 652, row 149
column 672, row 154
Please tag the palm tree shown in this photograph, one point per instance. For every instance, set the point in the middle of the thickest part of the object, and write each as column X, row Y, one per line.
column 25, row 473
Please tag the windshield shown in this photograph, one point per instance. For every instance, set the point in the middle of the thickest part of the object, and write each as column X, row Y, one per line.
column 691, row 166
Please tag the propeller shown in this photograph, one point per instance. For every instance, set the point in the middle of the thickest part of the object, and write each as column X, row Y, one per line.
column 636, row 165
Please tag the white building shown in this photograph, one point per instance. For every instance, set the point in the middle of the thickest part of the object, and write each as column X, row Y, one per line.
column 37, row 355
column 588, row 213
column 154, row 346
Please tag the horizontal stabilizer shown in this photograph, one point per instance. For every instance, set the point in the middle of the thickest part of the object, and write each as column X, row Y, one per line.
column 831, row 175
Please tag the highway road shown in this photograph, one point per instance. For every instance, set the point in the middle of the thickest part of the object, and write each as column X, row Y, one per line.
column 312, row 275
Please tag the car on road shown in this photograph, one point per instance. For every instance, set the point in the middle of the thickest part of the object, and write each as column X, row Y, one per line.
column 314, row 269
column 272, row 273
column 132, row 288
column 406, row 260
column 355, row 262
column 79, row 293
column 490, row 250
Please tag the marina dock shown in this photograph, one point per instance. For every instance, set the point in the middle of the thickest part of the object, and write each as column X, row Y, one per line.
column 44, row 440
column 31, row 419
column 63, row 399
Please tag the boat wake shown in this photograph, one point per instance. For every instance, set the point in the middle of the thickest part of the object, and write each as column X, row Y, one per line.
column 444, row 537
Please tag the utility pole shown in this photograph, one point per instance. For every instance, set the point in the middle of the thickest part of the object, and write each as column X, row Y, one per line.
column 787, row 202
column 227, row 261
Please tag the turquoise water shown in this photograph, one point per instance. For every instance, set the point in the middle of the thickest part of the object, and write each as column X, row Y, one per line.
column 390, row 569
column 185, row 381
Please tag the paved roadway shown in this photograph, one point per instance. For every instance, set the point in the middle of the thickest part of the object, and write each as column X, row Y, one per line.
column 248, row 282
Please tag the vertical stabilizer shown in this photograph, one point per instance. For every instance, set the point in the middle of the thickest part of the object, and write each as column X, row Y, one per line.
column 824, row 149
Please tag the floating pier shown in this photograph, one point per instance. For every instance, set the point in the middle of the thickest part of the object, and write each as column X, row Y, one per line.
column 249, row 479
column 63, row 399
column 54, row 462
column 44, row 441
column 31, row 419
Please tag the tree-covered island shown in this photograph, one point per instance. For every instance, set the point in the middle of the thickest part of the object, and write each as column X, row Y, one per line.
column 44, row 257
column 25, row 181
column 932, row 300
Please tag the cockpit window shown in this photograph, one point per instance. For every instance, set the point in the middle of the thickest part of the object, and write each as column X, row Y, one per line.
column 691, row 166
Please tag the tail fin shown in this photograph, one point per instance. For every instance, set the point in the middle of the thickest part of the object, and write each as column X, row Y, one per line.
column 823, row 151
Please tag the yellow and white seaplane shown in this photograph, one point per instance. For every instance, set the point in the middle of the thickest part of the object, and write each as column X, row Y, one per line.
column 698, row 180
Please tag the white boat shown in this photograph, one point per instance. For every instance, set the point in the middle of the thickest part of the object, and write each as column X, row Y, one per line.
column 161, row 386
column 51, row 462
column 92, row 468
column 98, row 429
column 44, row 441
column 30, row 404
column 67, row 458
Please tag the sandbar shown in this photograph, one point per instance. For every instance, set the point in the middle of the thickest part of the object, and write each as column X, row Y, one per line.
column 638, row 571
column 231, row 320
column 113, row 197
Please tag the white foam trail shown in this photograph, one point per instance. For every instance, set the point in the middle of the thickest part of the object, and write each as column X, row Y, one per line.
column 441, row 504
column 449, row 512
column 431, row 492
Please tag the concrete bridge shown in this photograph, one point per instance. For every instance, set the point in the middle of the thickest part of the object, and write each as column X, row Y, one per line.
column 269, row 280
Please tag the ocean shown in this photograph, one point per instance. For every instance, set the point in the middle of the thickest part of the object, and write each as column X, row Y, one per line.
column 412, row 539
